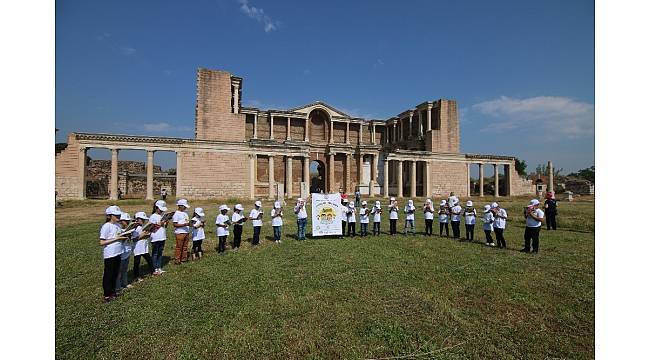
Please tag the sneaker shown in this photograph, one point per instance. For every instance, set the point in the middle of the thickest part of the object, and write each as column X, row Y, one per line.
column 139, row 280
column 160, row 271
column 492, row 244
column 129, row 286
column 107, row 299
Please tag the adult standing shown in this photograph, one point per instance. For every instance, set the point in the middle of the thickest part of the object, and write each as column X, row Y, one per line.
column 500, row 217
column 550, row 206
column 534, row 217
column 357, row 198
column 301, row 218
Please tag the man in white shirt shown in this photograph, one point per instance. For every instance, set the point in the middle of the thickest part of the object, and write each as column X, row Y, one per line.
column 256, row 216
column 500, row 217
column 301, row 218
column 181, row 223
column 222, row 222
column 534, row 217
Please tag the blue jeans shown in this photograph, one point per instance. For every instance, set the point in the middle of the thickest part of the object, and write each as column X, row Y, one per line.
column 364, row 229
column 302, row 224
column 277, row 232
column 156, row 253
column 122, row 277
column 256, row 235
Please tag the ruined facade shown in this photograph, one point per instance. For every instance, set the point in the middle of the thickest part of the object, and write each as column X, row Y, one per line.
column 251, row 153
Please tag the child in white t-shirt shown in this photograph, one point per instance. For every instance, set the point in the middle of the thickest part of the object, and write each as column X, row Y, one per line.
column 428, row 210
column 276, row 221
column 456, row 212
column 141, row 247
column 238, row 220
column 158, row 235
column 182, row 231
column 409, row 225
column 470, row 220
column 364, row 217
column 393, row 215
column 111, row 243
column 122, row 280
column 488, row 220
column 443, row 217
column 352, row 220
column 222, row 222
column 256, row 215
column 376, row 218
column 198, row 233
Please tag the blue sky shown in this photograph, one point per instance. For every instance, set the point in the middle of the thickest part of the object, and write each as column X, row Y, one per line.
column 521, row 71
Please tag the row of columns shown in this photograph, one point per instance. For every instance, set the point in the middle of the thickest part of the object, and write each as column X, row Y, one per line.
column 288, row 174
column 113, row 185
column 399, row 134
column 481, row 179
column 413, row 177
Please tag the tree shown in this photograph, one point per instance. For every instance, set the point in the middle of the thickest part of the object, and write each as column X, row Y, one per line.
column 171, row 171
column 543, row 169
column 586, row 174
column 520, row 167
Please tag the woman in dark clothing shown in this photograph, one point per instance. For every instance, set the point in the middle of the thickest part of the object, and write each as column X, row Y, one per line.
column 550, row 208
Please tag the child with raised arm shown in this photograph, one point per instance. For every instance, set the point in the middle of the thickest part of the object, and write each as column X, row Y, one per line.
column 276, row 222
column 112, row 249
column 198, row 233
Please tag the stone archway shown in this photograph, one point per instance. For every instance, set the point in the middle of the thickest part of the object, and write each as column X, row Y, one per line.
column 317, row 177
column 319, row 126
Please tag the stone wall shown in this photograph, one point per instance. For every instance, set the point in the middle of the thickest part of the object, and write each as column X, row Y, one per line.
column 205, row 175
column 447, row 176
column 214, row 117
column 67, row 175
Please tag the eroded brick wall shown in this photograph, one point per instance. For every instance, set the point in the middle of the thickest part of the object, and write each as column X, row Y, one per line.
column 67, row 182
column 205, row 175
column 447, row 177
column 214, row 117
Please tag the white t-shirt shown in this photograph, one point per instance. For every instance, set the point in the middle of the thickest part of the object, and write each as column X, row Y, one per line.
column 221, row 220
column 301, row 212
column 128, row 249
column 452, row 200
column 455, row 213
column 500, row 222
column 236, row 217
column 351, row 215
column 410, row 212
column 443, row 217
column 488, row 219
column 393, row 212
column 181, row 217
column 470, row 217
column 107, row 232
column 363, row 215
column 141, row 246
column 429, row 215
column 530, row 222
column 276, row 221
column 253, row 214
column 376, row 214
column 198, row 233
column 160, row 234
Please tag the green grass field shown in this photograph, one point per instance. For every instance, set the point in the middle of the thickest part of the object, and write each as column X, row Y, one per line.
column 374, row 297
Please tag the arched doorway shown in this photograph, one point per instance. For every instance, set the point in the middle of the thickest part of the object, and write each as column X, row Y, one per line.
column 319, row 122
column 317, row 177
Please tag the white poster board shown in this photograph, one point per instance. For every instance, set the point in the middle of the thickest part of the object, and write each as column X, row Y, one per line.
column 326, row 214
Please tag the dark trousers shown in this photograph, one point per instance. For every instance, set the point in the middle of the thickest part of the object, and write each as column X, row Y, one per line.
column 364, row 229
column 156, row 253
column 446, row 227
column 111, row 270
column 428, row 226
column 222, row 243
column 531, row 233
column 256, row 235
column 352, row 229
column 455, row 228
column 196, row 246
column 469, row 232
column 501, row 241
column 136, row 264
column 238, row 230
column 376, row 228
column 393, row 226
column 344, row 225
column 488, row 236
column 550, row 221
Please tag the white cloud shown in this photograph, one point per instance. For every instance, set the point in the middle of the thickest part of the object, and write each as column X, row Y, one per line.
column 551, row 115
column 128, row 51
column 258, row 15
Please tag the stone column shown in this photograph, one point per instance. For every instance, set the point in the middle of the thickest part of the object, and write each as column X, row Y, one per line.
column 288, row 128
column 82, row 172
column 348, row 160
column 330, row 176
column 374, row 134
column 360, row 134
column 271, row 136
column 271, row 177
column 506, row 172
column 427, row 177
column 373, row 174
column 149, row 174
column 236, row 96
column 347, row 132
column 410, row 125
column 550, row 187
column 179, row 171
column 496, row 180
column 386, row 184
column 331, row 131
column 399, row 179
column 469, row 180
column 255, row 126
column 394, row 132
column 307, row 129
column 428, row 117
column 305, row 172
column 288, row 178
column 420, row 123
column 414, row 173
column 480, row 180
column 113, row 193
column 252, row 158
